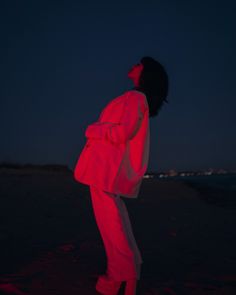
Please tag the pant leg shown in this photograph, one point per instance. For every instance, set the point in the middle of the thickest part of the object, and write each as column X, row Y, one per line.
column 116, row 232
column 129, row 234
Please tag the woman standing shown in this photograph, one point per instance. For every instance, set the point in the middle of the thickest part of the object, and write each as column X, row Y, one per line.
column 113, row 162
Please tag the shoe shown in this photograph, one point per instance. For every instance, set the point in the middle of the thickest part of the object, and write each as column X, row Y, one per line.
column 106, row 286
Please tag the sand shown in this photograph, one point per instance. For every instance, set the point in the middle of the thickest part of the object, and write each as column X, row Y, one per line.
column 50, row 244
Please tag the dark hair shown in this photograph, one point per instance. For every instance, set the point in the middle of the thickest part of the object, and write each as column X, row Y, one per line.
column 153, row 82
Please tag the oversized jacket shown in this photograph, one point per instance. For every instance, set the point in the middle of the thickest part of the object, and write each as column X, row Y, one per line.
column 115, row 156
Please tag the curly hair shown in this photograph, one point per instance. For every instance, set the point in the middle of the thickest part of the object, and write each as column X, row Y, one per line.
column 153, row 82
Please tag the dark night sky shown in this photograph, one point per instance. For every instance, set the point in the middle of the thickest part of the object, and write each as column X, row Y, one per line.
column 62, row 62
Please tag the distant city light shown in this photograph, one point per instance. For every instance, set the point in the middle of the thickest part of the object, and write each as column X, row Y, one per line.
column 173, row 173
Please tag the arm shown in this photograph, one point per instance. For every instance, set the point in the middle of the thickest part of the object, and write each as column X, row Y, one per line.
column 125, row 130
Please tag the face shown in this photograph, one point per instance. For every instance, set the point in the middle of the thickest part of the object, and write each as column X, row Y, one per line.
column 135, row 72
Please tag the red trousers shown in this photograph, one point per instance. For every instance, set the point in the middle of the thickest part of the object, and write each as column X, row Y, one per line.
column 123, row 256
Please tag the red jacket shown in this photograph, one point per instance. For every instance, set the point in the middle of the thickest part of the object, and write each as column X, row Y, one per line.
column 115, row 156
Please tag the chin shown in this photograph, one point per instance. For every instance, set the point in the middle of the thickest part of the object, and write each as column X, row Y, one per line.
column 130, row 75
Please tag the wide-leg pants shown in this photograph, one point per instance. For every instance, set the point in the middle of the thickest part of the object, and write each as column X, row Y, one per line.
column 123, row 256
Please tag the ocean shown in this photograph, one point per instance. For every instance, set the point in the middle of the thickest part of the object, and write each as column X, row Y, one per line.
column 219, row 181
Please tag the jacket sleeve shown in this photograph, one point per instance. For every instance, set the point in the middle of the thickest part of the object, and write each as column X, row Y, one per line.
column 123, row 131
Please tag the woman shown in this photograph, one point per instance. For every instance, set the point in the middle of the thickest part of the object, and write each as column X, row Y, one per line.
column 113, row 163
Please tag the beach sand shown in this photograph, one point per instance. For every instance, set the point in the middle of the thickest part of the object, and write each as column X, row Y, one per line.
column 50, row 243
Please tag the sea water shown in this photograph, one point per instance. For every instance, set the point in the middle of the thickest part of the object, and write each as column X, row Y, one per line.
column 217, row 181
